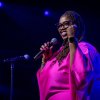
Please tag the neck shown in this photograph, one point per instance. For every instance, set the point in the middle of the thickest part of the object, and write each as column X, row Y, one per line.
column 65, row 42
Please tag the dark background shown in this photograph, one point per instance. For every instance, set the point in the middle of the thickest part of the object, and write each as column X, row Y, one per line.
column 23, row 28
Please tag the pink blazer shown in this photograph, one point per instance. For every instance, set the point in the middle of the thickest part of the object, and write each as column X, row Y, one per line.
column 59, row 82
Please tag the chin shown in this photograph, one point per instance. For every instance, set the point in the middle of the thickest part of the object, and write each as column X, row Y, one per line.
column 64, row 38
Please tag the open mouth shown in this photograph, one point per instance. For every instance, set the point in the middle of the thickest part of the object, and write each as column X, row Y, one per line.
column 63, row 34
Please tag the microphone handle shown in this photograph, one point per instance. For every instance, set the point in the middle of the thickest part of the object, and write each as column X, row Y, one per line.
column 38, row 55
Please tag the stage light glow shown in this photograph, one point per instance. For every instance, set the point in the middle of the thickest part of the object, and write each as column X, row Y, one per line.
column 46, row 13
column 1, row 4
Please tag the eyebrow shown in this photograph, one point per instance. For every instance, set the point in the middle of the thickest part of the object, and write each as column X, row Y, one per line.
column 57, row 24
column 63, row 22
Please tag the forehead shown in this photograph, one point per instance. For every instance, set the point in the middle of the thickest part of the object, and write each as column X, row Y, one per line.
column 63, row 19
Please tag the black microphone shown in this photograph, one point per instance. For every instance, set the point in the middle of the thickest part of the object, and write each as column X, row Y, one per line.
column 17, row 58
column 52, row 42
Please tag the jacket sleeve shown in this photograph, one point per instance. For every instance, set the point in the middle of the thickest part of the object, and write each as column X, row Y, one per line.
column 82, row 73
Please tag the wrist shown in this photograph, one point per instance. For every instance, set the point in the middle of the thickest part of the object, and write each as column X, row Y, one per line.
column 43, row 60
column 72, row 40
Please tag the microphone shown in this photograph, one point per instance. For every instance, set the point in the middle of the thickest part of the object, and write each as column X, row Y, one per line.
column 17, row 58
column 52, row 43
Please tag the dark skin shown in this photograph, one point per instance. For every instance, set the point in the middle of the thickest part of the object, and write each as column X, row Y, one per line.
column 66, row 29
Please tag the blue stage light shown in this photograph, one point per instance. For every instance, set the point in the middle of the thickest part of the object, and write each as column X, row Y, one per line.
column 1, row 4
column 46, row 13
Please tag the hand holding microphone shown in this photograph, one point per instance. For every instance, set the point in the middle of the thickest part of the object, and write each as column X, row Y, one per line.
column 46, row 49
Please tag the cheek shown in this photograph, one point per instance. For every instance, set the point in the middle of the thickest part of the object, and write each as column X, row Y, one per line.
column 59, row 31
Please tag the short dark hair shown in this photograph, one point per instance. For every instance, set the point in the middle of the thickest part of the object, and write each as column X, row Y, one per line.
column 76, row 18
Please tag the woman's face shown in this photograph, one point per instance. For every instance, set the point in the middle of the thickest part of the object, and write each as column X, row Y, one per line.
column 64, row 23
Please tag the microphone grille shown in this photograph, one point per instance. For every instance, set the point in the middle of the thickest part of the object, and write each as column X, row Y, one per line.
column 54, row 41
column 27, row 57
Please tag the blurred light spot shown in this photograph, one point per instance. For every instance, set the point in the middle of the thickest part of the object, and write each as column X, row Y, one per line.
column 46, row 13
column 1, row 4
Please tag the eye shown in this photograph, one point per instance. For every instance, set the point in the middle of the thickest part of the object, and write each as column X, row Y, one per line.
column 58, row 25
column 67, row 23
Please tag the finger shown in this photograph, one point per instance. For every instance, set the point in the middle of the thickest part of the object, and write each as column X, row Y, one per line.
column 43, row 47
column 45, row 44
column 48, row 43
column 51, row 47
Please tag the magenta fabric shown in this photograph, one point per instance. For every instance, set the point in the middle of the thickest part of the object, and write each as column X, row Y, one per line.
column 59, row 82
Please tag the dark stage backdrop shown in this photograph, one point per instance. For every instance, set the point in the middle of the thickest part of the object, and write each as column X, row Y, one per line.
column 24, row 27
